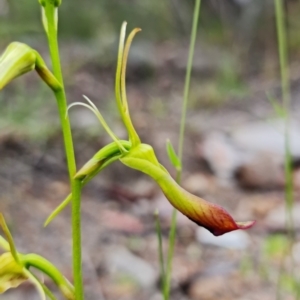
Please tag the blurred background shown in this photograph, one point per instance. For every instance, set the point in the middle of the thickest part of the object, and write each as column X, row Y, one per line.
column 233, row 156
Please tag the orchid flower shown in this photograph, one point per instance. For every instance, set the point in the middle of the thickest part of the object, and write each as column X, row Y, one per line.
column 137, row 155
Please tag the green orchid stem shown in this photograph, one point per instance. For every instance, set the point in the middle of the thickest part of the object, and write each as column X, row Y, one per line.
column 51, row 29
column 172, row 234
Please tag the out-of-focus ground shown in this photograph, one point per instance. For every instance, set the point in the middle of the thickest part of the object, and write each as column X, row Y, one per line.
column 233, row 155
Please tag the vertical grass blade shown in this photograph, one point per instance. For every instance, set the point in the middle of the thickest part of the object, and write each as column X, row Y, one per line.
column 286, row 96
column 285, row 87
column 172, row 235
column 160, row 249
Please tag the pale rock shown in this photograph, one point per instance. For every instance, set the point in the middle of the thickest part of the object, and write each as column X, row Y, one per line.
column 199, row 184
column 265, row 170
column 237, row 240
column 267, row 137
column 221, row 155
column 276, row 219
column 123, row 261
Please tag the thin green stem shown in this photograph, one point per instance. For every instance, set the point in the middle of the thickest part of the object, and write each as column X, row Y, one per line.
column 285, row 86
column 172, row 235
column 286, row 96
column 283, row 52
column 171, row 244
column 160, row 249
column 188, row 77
column 51, row 29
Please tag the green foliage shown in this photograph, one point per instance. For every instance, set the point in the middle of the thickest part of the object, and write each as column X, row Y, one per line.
column 173, row 156
column 275, row 246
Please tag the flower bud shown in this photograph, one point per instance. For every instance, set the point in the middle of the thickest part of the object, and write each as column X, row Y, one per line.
column 18, row 59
